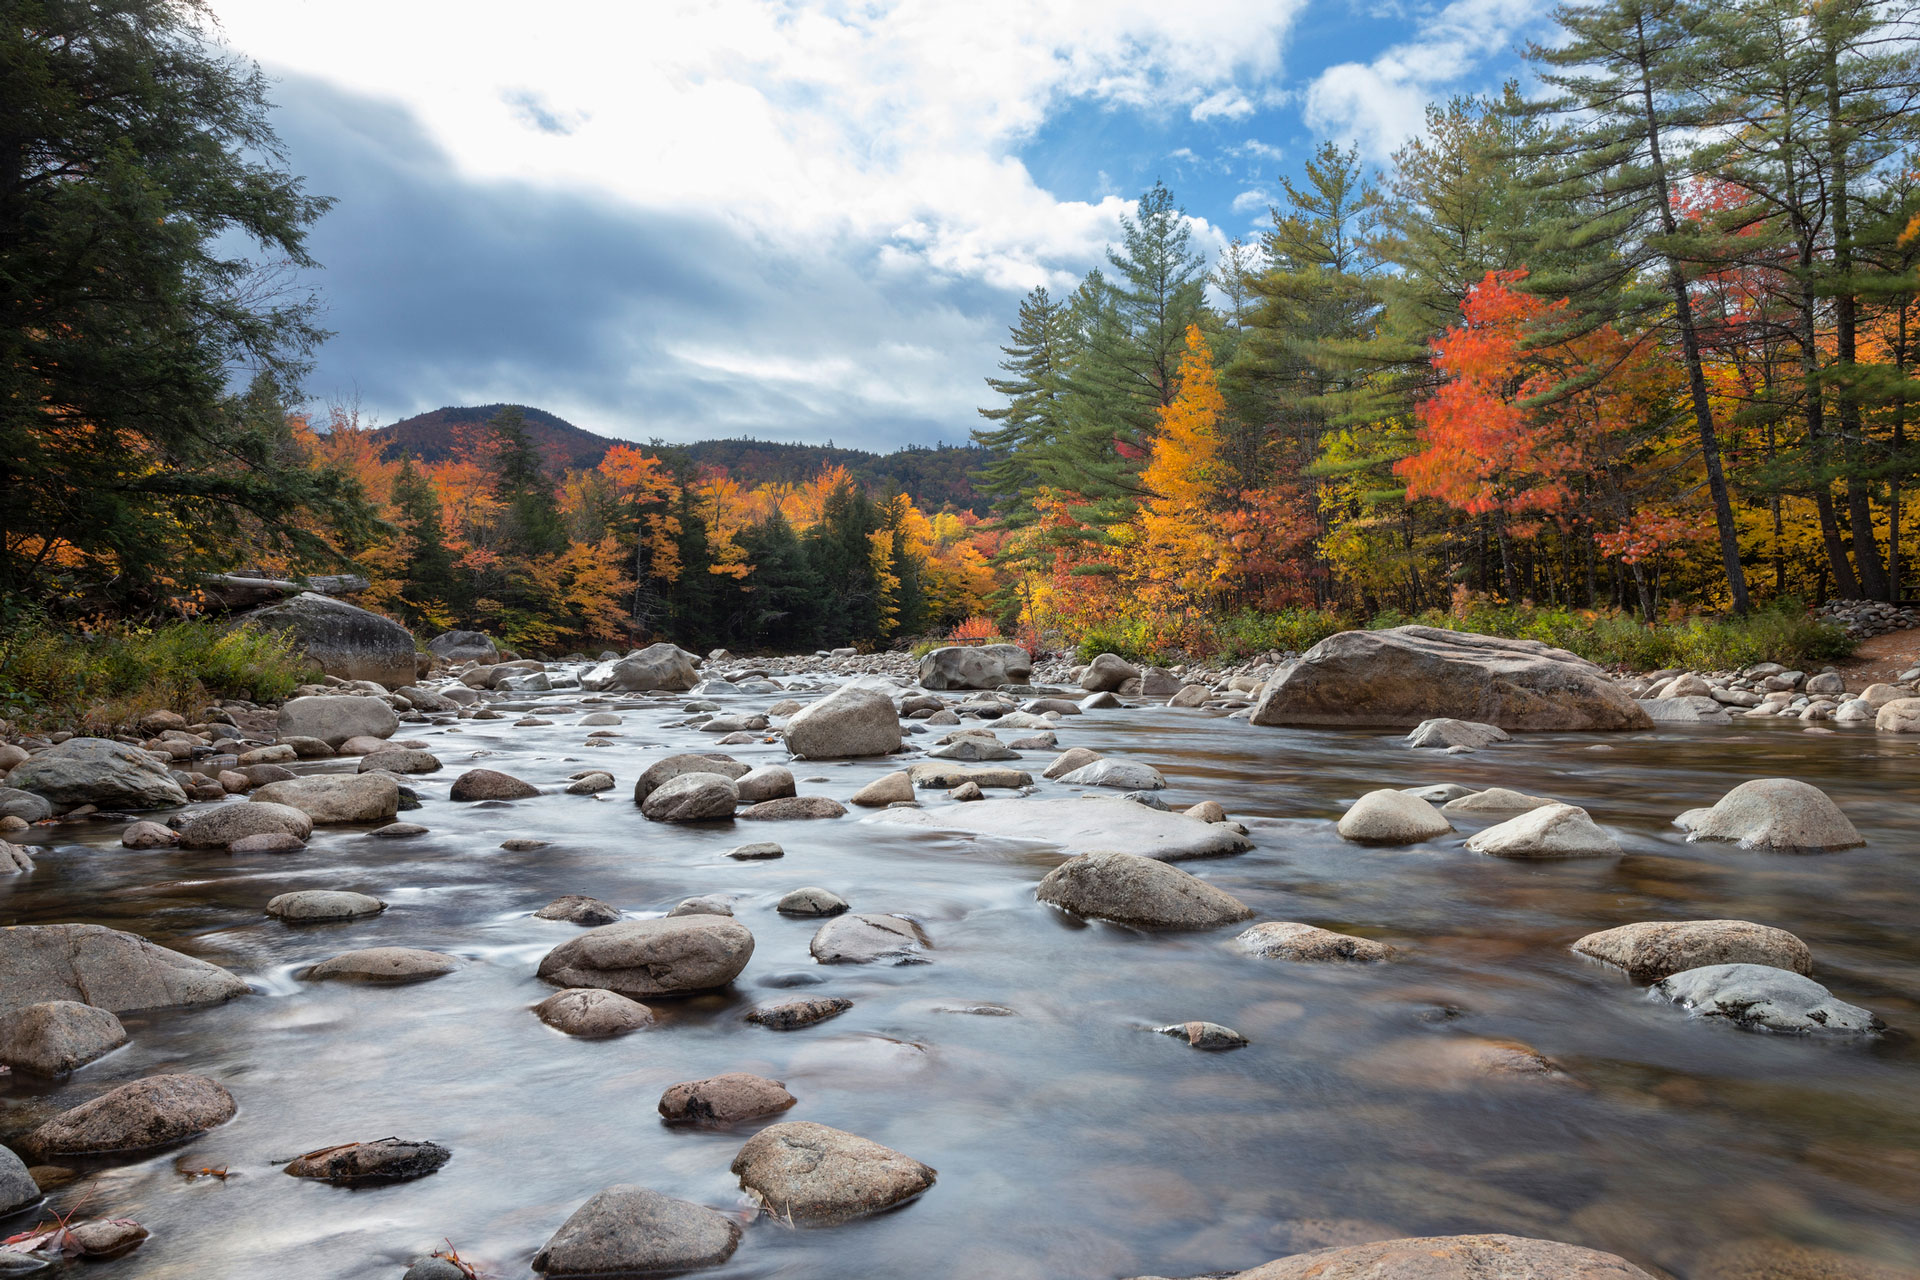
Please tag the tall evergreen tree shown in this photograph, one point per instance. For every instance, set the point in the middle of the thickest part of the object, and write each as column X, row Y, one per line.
column 520, row 481
column 430, row 587
column 1034, row 417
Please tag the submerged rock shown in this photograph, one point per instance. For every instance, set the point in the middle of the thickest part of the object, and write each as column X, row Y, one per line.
column 1757, row 997
column 1653, row 950
column 795, row 1014
column 1444, row 733
column 1107, row 824
column 810, row 1175
column 384, row 964
column 811, row 901
column 1122, row 775
column 359, row 1164
column 1128, row 889
column 1210, row 1036
column 323, row 904
column 1289, row 940
column 1495, row 800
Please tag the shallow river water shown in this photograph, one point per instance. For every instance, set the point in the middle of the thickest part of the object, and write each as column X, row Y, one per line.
column 1070, row 1142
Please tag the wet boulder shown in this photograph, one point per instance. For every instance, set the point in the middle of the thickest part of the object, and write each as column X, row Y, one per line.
column 219, row 827
column 365, row 1164
column 1773, row 813
column 400, row 761
column 1475, row 1257
column 1405, row 675
column 333, row 798
column 1554, row 831
column 851, row 721
column 643, row 958
column 792, row 1015
column 806, row 1173
column 692, row 797
column 1757, row 997
column 1122, row 775
column 1289, row 940
column 1104, row 823
column 142, row 1114
column 658, row 666
column 1444, row 733
column 724, row 1099
column 323, row 904
column 578, row 908
column 629, row 1230
column 1392, row 817
column 1128, row 889
column 105, row 968
column 57, row 1036
column 867, row 939
column 1210, row 1037
column 794, row 808
column 343, row 639
column 1069, row 761
column 768, row 782
column 661, row 772
column 333, row 719
column 388, row 965
column 811, row 900
column 593, row 1013
column 1653, row 950
column 97, row 771
column 490, row 784
column 1495, row 800
column 17, row 1187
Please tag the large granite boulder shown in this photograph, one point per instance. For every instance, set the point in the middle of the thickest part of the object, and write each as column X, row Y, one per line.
column 335, row 797
column 105, row 968
column 1079, row 825
column 1106, row 673
column 138, row 1116
column 97, row 771
column 802, row 1172
column 658, row 666
column 220, row 826
column 464, row 646
column 1406, row 675
column 631, row 1231
column 57, row 1036
column 644, row 958
column 1773, row 813
column 692, row 797
column 335, row 718
column 853, row 720
column 1477, row 1257
column 1128, row 889
column 1656, row 949
column 986, row 666
column 345, row 640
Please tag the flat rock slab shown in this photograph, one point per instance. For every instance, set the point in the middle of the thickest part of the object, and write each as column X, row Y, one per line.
column 866, row 939
column 1122, row 775
column 142, row 1114
column 944, row 776
column 323, row 904
column 1290, row 940
column 385, row 964
column 1144, row 892
column 810, row 1175
column 337, row 797
column 629, row 1230
column 642, row 958
column 57, row 1036
column 361, row 1164
column 1757, row 997
column 1080, row 826
column 1653, row 950
column 1477, row 1257
column 106, row 968
column 724, row 1099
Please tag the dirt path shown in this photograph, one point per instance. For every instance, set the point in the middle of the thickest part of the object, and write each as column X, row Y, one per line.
column 1881, row 658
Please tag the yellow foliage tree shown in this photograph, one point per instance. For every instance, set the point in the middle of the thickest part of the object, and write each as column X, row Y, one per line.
column 1179, row 551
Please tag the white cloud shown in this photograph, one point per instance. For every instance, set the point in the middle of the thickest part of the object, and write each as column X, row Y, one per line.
column 1382, row 103
column 1255, row 201
column 1227, row 104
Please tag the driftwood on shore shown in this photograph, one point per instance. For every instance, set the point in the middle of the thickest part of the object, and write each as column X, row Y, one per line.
column 246, row 591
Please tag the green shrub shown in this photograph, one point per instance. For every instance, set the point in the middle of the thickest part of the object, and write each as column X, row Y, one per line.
column 53, row 677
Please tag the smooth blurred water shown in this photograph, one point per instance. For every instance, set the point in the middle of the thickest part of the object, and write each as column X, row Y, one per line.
column 1070, row 1142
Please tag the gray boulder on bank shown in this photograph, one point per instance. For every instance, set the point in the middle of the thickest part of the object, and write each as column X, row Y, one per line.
column 1652, row 950
column 1106, row 673
column 344, row 640
column 1128, row 889
column 851, row 721
column 335, row 718
column 1757, row 997
column 97, row 771
column 658, row 666
column 456, row 647
column 986, row 666
column 1406, row 675
column 105, row 968
column 1773, row 813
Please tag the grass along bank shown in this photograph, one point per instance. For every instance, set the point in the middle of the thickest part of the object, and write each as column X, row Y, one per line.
column 53, row 677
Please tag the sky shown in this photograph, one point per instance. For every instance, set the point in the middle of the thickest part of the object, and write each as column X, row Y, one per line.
column 791, row 220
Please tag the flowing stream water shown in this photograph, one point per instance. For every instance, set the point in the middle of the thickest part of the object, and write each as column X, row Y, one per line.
column 1070, row 1141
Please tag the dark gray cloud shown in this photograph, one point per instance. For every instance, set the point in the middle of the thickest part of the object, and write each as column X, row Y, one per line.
column 444, row 289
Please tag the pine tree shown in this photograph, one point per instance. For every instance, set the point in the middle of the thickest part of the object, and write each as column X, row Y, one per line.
column 429, row 585
column 534, row 526
column 1034, row 417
